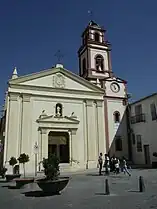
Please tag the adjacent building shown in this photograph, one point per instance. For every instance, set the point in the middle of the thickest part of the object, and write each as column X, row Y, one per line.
column 144, row 130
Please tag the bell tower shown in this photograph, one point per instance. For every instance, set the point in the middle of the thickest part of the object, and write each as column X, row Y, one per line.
column 94, row 54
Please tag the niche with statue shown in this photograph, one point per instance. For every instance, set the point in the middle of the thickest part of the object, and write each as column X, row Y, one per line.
column 59, row 110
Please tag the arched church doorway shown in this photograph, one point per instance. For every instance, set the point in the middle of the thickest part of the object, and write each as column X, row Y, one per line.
column 58, row 143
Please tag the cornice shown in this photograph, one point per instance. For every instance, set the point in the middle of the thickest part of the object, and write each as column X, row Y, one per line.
column 59, row 90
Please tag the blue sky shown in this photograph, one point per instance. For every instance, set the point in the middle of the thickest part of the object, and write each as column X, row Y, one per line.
column 32, row 31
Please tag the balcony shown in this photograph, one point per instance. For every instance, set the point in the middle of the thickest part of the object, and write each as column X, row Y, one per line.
column 138, row 118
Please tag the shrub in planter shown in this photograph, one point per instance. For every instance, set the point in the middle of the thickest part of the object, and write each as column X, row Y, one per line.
column 51, row 167
column 3, row 170
column 12, row 176
column 23, row 159
column 52, row 183
column 12, row 162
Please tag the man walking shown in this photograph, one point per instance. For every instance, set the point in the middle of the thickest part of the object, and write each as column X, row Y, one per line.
column 125, row 169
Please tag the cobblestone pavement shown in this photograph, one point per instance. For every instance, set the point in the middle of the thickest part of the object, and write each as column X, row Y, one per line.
column 86, row 191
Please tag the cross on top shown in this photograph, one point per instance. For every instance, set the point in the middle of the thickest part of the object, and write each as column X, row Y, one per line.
column 91, row 14
column 59, row 56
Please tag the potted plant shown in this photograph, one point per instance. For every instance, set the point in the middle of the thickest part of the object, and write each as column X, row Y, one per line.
column 154, row 164
column 52, row 183
column 10, row 177
column 3, row 170
column 23, row 159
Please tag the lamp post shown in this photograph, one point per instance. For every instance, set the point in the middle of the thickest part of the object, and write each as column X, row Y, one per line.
column 36, row 148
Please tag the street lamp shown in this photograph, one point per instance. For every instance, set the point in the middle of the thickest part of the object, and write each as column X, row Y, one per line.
column 36, row 149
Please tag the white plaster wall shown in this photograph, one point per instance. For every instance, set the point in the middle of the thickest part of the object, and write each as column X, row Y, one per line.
column 94, row 52
column 120, row 130
column 147, row 130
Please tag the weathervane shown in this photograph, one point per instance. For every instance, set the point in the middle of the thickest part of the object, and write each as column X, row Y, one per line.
column 59, row 56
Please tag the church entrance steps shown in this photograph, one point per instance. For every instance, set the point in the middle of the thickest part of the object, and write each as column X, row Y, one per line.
column 72, row 172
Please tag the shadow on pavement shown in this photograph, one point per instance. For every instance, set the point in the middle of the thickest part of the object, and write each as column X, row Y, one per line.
column 134, row 191
column 39, row 194
column 10, row 187
column 3, row 181
column 93, row 174
column 100, row 193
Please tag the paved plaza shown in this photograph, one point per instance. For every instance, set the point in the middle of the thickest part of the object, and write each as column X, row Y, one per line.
column 86, row 191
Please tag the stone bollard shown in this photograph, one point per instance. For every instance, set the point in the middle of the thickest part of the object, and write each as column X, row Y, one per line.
column 107, row 189
column 141, row 184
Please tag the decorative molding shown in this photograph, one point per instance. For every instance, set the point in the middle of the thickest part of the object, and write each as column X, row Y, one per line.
column 95, row 92
column 26, row 97
column 99, row 103
column 43, row 131
column 73, row 131
column 89, row 103
column 13, row 96
column 58, row 81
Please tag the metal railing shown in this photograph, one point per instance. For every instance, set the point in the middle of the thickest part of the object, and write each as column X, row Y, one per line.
column 138, row 118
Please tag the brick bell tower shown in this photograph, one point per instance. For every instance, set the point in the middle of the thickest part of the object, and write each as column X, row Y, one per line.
column 94, row 55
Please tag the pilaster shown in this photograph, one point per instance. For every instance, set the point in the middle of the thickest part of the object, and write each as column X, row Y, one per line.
column 74, row 145
column 91, row 131
column 13, row 126
column 26, row 143
column 85, row 132
column 100, row 125
column 96, row 129
column 44, row 144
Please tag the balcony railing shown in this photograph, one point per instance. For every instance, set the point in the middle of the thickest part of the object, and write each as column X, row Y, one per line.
column 138, row 118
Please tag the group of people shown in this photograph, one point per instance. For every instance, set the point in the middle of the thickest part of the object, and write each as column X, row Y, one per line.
column 112, row 164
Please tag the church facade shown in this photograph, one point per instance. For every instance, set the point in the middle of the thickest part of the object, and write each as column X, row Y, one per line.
column 74, row 116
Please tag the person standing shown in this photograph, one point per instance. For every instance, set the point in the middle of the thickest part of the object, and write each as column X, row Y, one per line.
column 125, row 169
column 113, row 162
column 117, row 166
column 107, row 164
column 100, row 163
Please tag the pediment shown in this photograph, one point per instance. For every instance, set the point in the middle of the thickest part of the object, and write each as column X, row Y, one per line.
column 56, row 78
column 54, row 119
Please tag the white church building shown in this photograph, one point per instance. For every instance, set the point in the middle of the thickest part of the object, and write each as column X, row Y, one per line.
column 74, row 116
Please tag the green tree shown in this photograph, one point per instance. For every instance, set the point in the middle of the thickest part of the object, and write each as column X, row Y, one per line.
column 23, row 159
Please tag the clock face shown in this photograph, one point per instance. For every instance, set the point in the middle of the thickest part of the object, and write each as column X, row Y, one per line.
column 115, row 87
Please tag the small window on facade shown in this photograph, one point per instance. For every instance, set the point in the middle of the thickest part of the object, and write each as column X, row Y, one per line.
column 97, row 37
column 153, row 111
column 59, row 110
column 133, row 139
column 116, row 117
column 138, row 109
column 118, row 143
column 84, row 65
column 139, row 143
column 99, row 63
